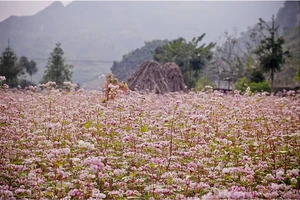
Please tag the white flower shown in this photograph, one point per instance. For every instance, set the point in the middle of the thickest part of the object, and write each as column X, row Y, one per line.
column 294, row 181
column 113, row 87
column 226, row 171
column 86, row 145
column 2, row 78
column 269, row 177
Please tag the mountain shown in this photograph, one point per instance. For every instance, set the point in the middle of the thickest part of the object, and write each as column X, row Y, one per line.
column 130, row 62
column 288, row 19
column 292, row 41
column 93, row 34
column 288, row 16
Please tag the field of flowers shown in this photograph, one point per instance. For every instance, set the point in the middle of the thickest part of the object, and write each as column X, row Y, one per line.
column 70, row 145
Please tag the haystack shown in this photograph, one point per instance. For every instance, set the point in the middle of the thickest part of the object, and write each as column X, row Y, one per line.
column 153, row 77
column 149, row 77
column 173, row 77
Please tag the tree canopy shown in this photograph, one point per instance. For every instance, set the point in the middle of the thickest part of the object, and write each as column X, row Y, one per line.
column 30, row 66
column 190, row 56
column 57, row 69
column 270, row 52
column 9, row 67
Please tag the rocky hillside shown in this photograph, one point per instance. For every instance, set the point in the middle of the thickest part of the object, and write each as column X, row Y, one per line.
column 128, row 65
column 288, row 16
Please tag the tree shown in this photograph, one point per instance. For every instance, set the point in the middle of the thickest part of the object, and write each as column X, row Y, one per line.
column 270, row 53
column 30, row 66
column 189, row 56
column 9, row 67
column 57, row 70
column 234, row 57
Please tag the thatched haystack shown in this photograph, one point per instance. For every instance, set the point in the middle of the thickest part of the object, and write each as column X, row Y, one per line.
column 174, row 77
column 149, row 77
column 153, row 77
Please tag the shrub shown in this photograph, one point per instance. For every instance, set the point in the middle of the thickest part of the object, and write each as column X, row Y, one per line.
column 260, row 87
column 241, row 84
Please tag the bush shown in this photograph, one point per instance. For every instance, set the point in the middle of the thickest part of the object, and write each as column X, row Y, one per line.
column 242, row 85
column 260, row 87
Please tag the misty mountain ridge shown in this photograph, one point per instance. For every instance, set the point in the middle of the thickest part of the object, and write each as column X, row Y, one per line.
column 105, row 31
column 288, row 16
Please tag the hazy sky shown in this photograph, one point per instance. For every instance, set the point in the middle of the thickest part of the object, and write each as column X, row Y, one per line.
column 20, row 8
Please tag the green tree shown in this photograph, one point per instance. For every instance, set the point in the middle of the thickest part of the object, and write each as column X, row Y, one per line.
column 241, row 84
column 57, row 69
column 257, row 76
column 9, row 67
column 30, row 66
column 270, row 52
column 189, row 56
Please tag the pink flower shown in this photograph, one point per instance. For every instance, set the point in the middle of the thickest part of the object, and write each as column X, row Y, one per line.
column 75, row 193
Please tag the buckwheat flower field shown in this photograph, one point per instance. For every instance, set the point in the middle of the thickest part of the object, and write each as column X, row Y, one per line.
column 70, row 145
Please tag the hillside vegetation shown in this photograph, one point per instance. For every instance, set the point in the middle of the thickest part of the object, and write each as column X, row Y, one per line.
column 130, row 62
column 234, row 56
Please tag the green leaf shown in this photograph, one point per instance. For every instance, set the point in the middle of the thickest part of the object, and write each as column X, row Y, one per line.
column 88, row 124
column 127, row 128
column 57, row 163
column 48, row 194
column 152, row 165
column 144, row 128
